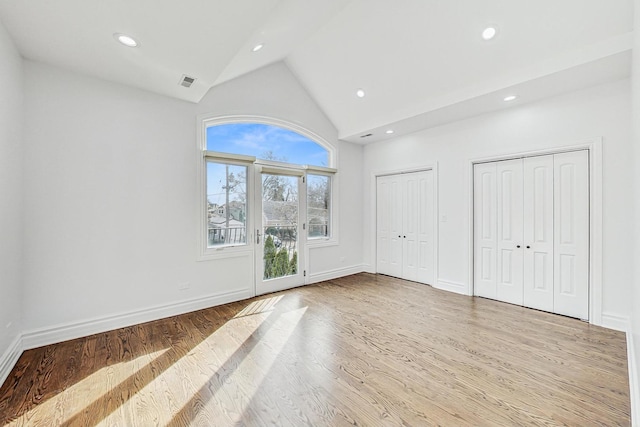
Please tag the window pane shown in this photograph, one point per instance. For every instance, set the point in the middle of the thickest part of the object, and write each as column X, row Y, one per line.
column 318, row 205
column 226, row 204
column 264, row 141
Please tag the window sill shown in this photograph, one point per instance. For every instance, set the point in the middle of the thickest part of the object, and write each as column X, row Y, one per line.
column 225, row 252
column 322, row 243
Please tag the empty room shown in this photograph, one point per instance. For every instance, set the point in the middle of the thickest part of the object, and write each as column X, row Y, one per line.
column 344, row 212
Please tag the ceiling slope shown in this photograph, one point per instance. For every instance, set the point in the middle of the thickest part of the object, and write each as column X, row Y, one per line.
column 194, row 37
column 419, row 56
column 420, row 62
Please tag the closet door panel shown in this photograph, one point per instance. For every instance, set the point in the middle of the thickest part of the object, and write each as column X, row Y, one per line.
column 485, row 230
column 395, row 228
column 571, row 240
column 538, row 232
column 411, row 203
column 383, row 225
column 426, row 223
column 388, row 226
column 509, row 231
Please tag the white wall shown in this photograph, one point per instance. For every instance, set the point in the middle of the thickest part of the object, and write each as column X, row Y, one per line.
column 634, row 335
column 567, row 120
column 11, row 191
column 112, row 199
column 347, row 257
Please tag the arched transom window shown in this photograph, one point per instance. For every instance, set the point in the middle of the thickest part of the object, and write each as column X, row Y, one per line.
column 266, row 142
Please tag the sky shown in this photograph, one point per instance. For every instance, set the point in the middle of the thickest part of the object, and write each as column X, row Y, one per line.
column 255, row 139
column 216, row 180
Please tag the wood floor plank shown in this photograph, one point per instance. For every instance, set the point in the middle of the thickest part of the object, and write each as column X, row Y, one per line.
column 360, row 350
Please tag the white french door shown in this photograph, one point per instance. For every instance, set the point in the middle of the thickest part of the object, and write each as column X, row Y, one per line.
column 280, row 233
column 405, row 226
column 531, row 232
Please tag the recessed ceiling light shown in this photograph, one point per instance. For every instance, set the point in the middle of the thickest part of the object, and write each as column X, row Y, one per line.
column 257, row 47
column 489, row 33
column 389, row 131
column 360, row 93
column 510, row 98
column 125, row 40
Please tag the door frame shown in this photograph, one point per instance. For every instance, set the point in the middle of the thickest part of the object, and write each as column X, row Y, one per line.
column 374, row 208
column 594, row 147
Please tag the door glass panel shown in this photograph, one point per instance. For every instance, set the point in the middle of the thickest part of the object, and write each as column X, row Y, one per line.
column 280, row 212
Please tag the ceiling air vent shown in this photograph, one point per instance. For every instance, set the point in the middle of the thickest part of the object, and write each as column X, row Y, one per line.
column 187, row 81
column 366, row 135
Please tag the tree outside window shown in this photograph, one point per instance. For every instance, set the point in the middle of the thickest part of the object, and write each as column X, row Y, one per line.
column 318, row 205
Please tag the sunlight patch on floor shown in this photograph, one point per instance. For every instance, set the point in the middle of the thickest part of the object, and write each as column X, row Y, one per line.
column 70, row 402
column 260, row 306
column 256, row 366
column 213, row 368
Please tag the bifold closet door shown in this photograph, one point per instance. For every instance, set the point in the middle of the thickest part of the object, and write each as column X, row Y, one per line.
column 405, row 226
column 531, row 232
column 498, row 225
column 509, row 231
column 538, row 232
column 427, row 228
column 417, row 230
column 389, row 225
column 571, row 235
column 485, row 224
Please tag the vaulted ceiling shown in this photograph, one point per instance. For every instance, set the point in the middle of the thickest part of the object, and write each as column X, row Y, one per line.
column 420, row 63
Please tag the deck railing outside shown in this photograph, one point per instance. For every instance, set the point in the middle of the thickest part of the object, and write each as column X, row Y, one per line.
column 283, row 236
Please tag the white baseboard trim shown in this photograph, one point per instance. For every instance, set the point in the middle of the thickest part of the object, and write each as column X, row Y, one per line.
column 368, row 268
column 334, row 274
column 51, row 335
column 445, row 285
column 9, row 359
column 634, row 386
column 615, row 321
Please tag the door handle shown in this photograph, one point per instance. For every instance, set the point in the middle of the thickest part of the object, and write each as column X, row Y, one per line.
column 518, row 246
column 258, row 236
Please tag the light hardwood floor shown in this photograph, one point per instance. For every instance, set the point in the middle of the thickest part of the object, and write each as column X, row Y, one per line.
column 362, row 350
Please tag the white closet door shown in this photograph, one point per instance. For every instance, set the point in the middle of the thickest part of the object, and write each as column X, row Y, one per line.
column 485, row 224
column 411, row 199
column 571, row 240
column 509, row 231
column 383, row 225
column 395, row 208
column 417, row 231
column 426, row 224
column 389, row 225
column 405, row 226
column 538, row 232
